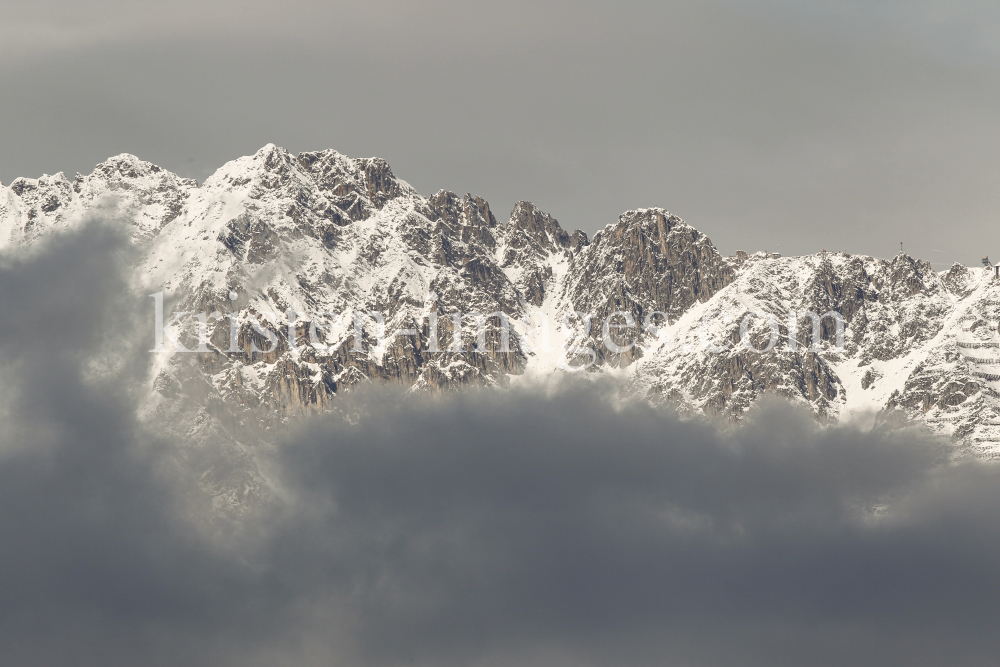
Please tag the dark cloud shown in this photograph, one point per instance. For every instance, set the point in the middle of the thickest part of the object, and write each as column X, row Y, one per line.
column 530, row 527
column 511, row 524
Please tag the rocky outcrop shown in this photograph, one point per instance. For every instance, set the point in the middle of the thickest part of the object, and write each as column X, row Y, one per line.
column 534, row 246
column 650, row 267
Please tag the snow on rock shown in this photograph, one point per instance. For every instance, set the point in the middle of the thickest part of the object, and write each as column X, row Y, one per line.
column 386, row 285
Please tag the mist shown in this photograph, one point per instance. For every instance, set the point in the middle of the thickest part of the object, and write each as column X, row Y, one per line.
column 532, row 526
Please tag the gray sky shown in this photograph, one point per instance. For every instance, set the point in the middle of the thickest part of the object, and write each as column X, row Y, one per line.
column 773, row 124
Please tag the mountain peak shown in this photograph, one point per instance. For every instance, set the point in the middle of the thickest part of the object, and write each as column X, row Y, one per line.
column 323, row 233
column 530, row 225
column 126, row 165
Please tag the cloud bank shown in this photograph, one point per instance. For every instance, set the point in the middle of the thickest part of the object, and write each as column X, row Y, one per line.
column 524, row 527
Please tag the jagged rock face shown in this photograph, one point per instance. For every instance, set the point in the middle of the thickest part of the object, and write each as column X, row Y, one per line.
column 656, row 257
column 906, row 356
column 652, row 267
column 138, row 192
column 533, row 243
column 954, row 386
column 532, row 231
column 355, row 252
column 471, row 215
column 959, row 280
column 355, row 187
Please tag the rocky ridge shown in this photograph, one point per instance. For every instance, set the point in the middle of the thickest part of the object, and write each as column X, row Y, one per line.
column 377, row 274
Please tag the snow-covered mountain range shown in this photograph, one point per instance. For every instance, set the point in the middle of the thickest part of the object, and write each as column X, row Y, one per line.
column 375, row 274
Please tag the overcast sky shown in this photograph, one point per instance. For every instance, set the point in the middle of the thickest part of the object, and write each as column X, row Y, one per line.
column 772, row 124
column 528, row 527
